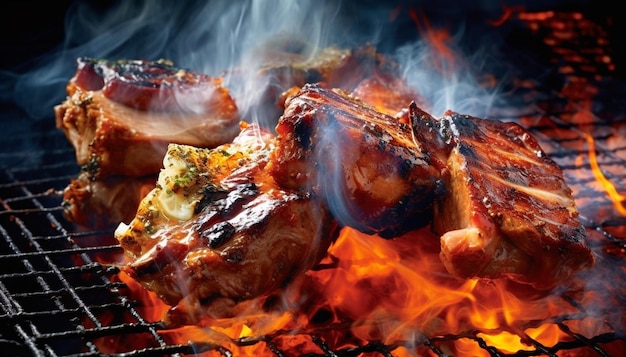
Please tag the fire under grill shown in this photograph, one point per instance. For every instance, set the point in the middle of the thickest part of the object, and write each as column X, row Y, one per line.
column 60, row 296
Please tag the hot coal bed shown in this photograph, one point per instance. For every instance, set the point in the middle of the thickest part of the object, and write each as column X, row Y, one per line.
column 61, row 297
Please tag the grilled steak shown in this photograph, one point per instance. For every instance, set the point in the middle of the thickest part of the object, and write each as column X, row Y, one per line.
column 507, row 210
column 365, row 163
column 217, row 229
column 120, row 116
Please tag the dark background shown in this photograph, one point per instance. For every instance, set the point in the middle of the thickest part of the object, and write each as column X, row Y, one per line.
column 32, row 28
column 32, row 31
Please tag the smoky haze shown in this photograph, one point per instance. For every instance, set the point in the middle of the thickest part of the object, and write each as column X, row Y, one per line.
column 214, row 36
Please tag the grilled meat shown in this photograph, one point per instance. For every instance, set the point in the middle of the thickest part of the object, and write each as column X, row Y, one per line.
column 507, row 210
column 389, row 94
column 217, row 229
column 285, row 64
column 104, row 202
column 365, row 163
column 120, row 116
column 237, row 222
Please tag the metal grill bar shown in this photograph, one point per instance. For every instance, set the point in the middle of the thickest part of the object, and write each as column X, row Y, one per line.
column 55, row 268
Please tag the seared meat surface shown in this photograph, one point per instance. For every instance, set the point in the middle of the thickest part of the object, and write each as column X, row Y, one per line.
column 237, row 212
column 507, row 210
column 230, row 224
column 105, row 202
column 120, row 116
column 365, row 163
column 217, row 229
column 500, row 205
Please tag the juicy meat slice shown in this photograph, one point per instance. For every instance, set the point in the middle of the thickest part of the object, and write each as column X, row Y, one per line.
column 507, row 210
column 120, row 116
column 217, row 230
column 104, row 202
column 365, row 163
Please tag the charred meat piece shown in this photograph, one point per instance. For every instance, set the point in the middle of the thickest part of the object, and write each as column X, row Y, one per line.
column 120, row 116
column 365, row 163
column 217, row 230
column 105, row 202
column 507, row 211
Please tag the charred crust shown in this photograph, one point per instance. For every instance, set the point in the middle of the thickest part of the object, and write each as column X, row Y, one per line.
column 236, row 199
column 218, row 234
column 467, row 151
column 577, row 235
column 92, row 167
column 210, row 194
column 234, row 256
column 303, row 130
column 405, row 167
column 223, row 205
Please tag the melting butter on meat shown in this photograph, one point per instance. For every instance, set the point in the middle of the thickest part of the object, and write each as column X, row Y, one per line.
column 217, row 230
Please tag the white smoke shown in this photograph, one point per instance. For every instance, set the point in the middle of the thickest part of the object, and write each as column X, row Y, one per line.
column 217, row 36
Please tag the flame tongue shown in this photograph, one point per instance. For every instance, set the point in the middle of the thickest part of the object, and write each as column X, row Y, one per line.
column 372, row 289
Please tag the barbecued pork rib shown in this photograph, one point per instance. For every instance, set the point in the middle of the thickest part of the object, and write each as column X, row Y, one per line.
column 120, row 116
column 217, row 230
column 507, row 210
column 365, row 163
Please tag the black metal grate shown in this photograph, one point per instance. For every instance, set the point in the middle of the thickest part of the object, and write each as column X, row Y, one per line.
column 60, row 296
column 54, row 292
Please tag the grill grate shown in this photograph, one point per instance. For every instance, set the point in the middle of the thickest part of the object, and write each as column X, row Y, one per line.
column 61, row 297
column 54, row 291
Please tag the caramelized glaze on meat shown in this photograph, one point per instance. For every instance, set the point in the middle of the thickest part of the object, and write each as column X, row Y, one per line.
column 217, row 230
column 507, row 211
column 119, row 125
column 365, row 163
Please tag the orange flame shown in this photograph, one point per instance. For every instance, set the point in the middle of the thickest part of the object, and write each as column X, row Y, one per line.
column 619, row 200
column 445, row 61
column 507, row 14
column 393, row 291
